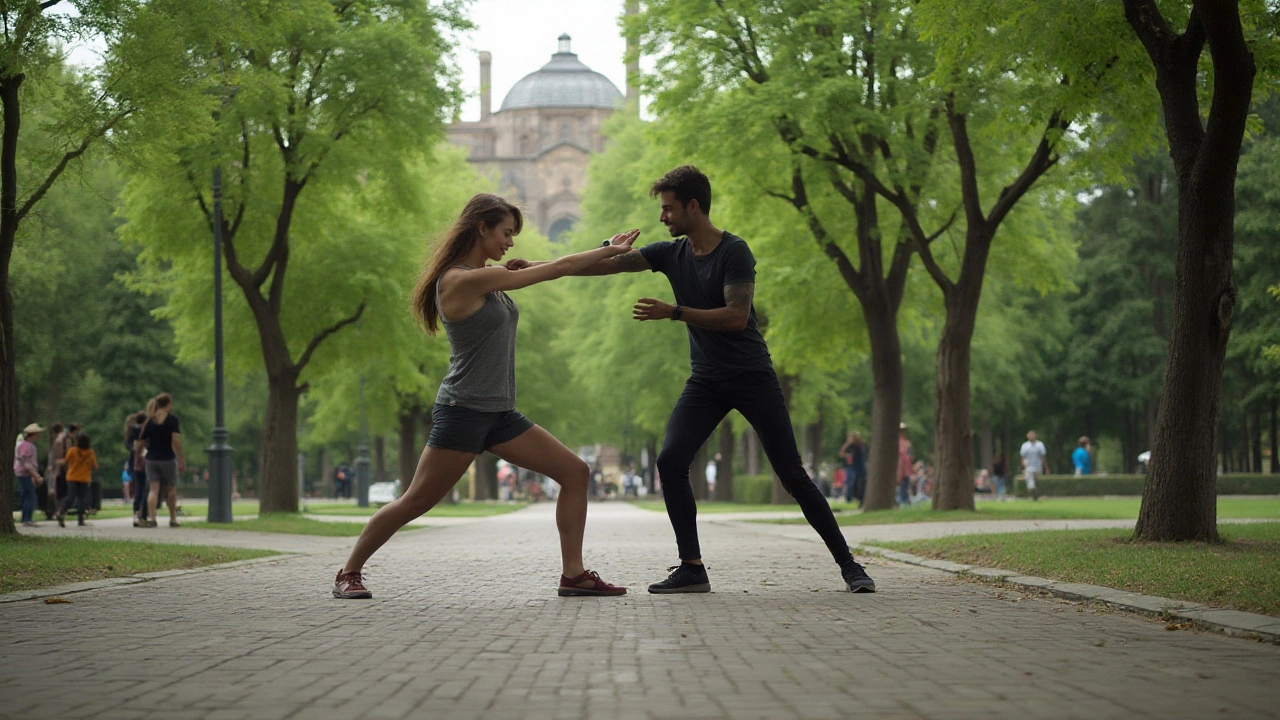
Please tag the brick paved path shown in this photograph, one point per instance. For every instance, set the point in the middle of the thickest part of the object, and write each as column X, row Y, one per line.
column 465, row 624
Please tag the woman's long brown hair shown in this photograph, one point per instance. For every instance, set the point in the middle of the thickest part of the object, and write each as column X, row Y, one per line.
column 454, row 246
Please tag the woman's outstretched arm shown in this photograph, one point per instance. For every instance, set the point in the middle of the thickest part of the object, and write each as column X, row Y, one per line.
column 489, row 279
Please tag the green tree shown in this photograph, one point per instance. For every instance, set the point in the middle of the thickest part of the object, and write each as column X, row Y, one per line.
column 1179, row 498
column 80, row 113
column 322, row 108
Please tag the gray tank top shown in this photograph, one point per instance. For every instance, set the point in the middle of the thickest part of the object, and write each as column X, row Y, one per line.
column 482, row 356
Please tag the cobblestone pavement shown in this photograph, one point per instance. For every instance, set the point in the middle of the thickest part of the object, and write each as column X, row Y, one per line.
column 466, row 624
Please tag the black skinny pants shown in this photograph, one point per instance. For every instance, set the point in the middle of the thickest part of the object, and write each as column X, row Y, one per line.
column 701, row 407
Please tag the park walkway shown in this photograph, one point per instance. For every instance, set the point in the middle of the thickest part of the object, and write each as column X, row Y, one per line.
column 466, row 624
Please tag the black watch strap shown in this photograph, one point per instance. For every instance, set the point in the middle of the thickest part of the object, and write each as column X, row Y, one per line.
column 677, row 312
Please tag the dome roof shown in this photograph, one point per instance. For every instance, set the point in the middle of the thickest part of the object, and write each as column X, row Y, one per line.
column 563, row 82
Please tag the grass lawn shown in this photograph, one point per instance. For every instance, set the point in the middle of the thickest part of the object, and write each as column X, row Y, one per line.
column 32, row 562
column 1243, row 572
column 462, row 509
column 1047, row 509
column 293, row 524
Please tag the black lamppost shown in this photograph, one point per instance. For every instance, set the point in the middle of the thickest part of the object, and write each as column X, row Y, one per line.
column 362, row 455
column 219, row 451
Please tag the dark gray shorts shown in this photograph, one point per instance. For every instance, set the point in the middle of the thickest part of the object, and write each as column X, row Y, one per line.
column 164, row 472
column 465, row 430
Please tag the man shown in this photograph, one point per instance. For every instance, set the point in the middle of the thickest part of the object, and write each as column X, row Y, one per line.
column 1033, row 462
column 712, row 274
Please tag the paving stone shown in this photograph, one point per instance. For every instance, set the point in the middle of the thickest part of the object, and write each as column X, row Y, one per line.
column 465, row 623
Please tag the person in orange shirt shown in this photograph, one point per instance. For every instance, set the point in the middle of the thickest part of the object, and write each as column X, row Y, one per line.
column 81, row 462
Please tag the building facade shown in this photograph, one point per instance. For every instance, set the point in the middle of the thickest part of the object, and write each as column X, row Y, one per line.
column 541, row 139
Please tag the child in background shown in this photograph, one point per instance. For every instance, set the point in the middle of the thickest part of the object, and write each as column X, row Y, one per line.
column 81, row 462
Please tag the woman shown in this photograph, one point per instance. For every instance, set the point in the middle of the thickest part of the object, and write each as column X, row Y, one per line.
column 26, row 467
column 475, row 407
column 162, row 435
column 854, row 453
column 137, row 467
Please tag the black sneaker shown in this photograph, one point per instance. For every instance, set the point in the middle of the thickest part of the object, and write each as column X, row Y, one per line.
column 686, row 578
column 858, row 580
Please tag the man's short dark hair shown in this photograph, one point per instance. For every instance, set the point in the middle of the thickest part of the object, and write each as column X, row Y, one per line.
column 687, row 183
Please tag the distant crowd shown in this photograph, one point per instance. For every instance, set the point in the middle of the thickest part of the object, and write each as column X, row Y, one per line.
column 153, row 441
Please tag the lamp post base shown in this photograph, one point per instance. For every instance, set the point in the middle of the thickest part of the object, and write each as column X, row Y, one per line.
column 219, row 477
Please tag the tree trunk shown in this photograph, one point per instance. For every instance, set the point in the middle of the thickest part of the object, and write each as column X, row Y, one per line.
column 484, row 485
column 326, row 474
column 1275, row 455
column 379, row 458
column 277, row 484
column 698, row 473
column 752, row 441
column 953, row 427
column 724, row 467
column 886, row 409
column 12, row 113
column 407, row 454
column 1257, row 439
column 1179, row 499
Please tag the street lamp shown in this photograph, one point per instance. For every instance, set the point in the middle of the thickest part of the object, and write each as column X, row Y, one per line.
column 219, row 451
column 362, row 455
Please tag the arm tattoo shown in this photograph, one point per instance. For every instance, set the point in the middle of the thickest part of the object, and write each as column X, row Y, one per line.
column 630, row 262
column 739, row 295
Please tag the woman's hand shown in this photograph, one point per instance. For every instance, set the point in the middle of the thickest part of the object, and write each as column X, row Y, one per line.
column 517, row 264
column 650, row 309
column 626, row 238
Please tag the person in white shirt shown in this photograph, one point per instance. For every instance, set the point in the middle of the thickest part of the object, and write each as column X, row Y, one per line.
column 1033, row 462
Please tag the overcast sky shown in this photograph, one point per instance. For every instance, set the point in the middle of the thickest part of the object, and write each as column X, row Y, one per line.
column 521, row 35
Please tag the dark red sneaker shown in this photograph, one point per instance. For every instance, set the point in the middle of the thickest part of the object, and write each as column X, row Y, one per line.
column 588, row 583
column 350, row 586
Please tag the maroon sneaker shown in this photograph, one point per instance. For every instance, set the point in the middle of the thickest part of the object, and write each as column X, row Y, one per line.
column 350, row 586
column 588, row 583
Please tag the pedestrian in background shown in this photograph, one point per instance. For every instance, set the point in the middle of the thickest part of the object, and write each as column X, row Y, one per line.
column 55, row 452
column 904, row 466
column 1033, row 462
column 162, row 435
column 854, row 452
column 27, row 469
column 137, row 465
column 80, row 462
column 999, row 474
column 1081, row 457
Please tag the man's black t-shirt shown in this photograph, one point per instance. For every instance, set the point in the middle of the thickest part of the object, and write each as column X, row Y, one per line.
column 159, row 437
column 698, row 282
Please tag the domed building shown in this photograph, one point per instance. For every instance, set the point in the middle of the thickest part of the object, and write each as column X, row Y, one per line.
column 540, row 140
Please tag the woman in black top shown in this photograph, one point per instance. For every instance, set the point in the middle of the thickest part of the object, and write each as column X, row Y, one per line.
column 162, row 435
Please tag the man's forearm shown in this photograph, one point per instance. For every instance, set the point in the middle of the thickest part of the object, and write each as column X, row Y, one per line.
column 725, row 318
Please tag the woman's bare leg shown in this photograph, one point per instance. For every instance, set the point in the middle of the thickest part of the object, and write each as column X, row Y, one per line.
column 539, row 451
column 153, row 499
column 438, row 471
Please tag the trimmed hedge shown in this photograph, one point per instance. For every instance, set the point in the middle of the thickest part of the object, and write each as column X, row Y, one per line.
column 1074, row 486
column 753, row 488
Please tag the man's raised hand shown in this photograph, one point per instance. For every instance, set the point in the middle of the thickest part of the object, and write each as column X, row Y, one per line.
column 650, row 309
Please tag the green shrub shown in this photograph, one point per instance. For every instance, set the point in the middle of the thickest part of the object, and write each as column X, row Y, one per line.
column 753, row 488
column 1073, row 486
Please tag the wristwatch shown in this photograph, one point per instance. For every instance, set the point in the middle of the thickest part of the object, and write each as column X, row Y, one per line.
column 606, row 243
column 676, row 312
